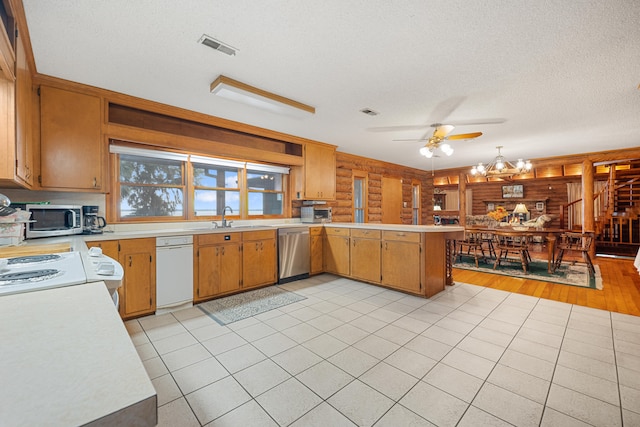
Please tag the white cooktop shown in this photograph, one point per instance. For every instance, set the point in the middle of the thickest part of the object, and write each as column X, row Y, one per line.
column 66, row 269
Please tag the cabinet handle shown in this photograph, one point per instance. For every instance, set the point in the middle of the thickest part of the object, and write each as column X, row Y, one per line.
column 222, row 251
column 386, row 246
column 130, row 260
column 95, row 182
column 354, row 243
column 217, row 251
column 257, row 246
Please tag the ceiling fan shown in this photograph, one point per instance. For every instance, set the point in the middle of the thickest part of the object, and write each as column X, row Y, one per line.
column 437, row 140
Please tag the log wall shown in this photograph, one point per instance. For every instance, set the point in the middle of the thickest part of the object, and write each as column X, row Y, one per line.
column 342, row 207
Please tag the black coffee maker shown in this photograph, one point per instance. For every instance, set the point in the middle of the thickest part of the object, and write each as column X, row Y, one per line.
column 93, row 224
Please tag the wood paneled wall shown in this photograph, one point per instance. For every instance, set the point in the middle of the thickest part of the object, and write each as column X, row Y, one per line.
column 342, row 207
column 554, row 191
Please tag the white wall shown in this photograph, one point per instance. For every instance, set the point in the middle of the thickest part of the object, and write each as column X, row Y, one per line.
column 56, row 197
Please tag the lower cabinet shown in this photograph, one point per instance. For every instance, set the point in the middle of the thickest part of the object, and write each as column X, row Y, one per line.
column 217, row 264
column 336, row 251
column 401, row 260
column 259, row 258
column 316, row 242
column 365, row 255
column 138, row 259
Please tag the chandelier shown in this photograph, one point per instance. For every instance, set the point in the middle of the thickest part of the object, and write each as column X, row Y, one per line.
column 499, row 167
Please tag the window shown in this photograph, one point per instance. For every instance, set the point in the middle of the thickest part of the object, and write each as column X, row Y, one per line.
column 359, row 196
column 158, row 184
column 415, row 202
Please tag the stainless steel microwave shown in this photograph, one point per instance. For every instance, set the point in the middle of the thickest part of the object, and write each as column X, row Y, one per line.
column 53, row 220
column 315, row 214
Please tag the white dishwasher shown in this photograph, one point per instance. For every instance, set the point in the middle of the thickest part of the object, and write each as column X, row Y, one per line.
column 174, row 273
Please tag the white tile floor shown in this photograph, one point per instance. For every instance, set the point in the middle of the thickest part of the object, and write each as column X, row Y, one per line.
column 357, row 354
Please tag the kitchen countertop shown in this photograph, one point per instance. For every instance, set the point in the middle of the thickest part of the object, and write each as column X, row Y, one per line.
column 399, row 227
column 67, row 360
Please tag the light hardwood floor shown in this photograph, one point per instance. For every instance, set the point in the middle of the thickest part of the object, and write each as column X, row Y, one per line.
column 620, row 293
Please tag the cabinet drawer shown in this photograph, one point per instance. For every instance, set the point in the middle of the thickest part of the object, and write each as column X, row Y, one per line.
column 365, row 234
column 333, row 231
column 258, row 235
column 315, row 231
column 402, row 236
column 212, row 239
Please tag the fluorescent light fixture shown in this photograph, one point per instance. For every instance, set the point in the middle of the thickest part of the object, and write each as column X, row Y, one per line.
column 241, row 92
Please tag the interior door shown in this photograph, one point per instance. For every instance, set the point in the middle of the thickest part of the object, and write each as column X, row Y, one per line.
column 391, row 200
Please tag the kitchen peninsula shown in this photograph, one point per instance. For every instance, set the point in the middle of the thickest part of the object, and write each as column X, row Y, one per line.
column 409, row 258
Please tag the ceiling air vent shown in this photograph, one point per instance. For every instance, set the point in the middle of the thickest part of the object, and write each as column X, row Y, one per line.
column 217, row 45
column 369, row 112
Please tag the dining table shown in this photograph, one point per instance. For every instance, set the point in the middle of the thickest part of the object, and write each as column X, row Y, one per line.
column 549, row 234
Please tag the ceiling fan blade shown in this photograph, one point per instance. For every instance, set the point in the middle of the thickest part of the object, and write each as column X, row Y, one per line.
column 494, row 121
column 397, row 128
column 446, row 107
column 410, row 140
column 465, row 136
column 442, row 130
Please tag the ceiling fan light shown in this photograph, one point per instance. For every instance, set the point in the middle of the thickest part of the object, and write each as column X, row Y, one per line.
column 528, row 166
column 520, row 164
column 426, row 152
column 499, row 165
column 480, row 168
column 446, row 149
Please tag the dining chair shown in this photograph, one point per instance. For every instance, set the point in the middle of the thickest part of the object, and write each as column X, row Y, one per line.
column 472, row 242
column 512, row 243
column 575, row 242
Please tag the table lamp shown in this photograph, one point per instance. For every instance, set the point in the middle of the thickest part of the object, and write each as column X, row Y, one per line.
column 520, row 210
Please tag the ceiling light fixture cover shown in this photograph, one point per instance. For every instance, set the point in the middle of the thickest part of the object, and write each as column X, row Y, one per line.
column 500, row 168
column 241, row 92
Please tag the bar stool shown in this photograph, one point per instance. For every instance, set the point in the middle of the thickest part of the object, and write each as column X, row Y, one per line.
column 576, row 242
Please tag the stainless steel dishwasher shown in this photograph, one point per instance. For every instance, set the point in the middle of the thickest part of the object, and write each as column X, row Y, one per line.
column 174, row 273
column 293, row 254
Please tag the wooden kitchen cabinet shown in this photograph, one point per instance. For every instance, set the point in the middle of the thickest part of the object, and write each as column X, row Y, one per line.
column 317, row 179
column 24, row 121
column 16, row 134
column 336, row 251
column 259, row 258
column 401, row 260
column 71, row 148
column 137, row 257
column 365, row 255
column 217, row 264
column 316, row 250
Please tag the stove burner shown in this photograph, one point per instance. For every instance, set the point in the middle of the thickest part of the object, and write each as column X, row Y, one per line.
column 27, row 276
column 30, row 259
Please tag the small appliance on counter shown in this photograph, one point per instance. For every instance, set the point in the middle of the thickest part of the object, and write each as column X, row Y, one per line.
column 92, row 223
column 48, row 220
column 315, row 214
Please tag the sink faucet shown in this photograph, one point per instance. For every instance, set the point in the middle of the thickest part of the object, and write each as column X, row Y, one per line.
column 224, row 221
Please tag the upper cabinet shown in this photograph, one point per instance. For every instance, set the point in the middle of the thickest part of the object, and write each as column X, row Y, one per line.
column 71, row 149
column 16, row 119
column 25, row 145
column 317, row 179
column 7, row 42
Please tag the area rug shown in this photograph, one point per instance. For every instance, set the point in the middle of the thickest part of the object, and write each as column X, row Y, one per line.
column 568, row 273
column 240, row 306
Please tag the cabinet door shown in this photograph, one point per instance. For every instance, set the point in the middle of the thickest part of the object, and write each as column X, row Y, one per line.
column 317, row 255
column 137, row 257
column 208, row 272
column 230, row 268
column 336, row 255
column 24, row 122
column 259, row 263
column 320, row 172
column 365, row 259
column 401, row 265
column 71, row 145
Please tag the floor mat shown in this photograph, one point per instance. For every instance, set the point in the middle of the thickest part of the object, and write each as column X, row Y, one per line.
column 240, row 306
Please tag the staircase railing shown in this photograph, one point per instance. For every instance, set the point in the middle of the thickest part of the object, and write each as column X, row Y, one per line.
column 604, row 205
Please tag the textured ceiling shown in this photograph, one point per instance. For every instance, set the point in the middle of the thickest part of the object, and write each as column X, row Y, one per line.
column 563, row 75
